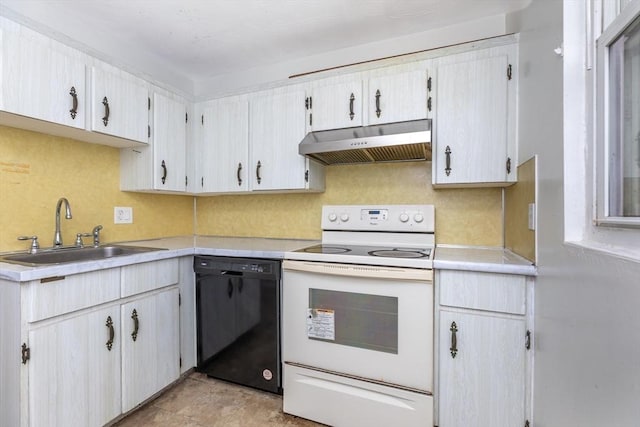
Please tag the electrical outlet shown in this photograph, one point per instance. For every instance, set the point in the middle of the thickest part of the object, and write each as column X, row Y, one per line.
column 532, row 216
column 122, row 215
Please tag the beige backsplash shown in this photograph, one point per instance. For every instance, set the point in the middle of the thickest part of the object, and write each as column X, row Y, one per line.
column 37, row 169
column 518, row 237
column 463, row 216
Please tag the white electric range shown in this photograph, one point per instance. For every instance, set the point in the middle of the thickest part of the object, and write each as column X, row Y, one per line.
column 357, row 340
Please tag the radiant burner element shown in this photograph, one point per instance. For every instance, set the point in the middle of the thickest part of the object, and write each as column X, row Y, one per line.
column 321, row 249
column 401, row 253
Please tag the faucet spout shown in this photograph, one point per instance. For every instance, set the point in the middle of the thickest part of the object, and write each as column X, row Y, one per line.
column 57, row 238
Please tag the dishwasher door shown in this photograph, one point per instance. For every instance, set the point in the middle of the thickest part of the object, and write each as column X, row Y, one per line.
column 238, row 320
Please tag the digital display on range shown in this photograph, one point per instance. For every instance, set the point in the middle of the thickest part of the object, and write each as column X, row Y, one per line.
column 373, row 216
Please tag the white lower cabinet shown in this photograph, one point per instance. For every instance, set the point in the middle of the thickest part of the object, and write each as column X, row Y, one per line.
column 150, row 346
column 89, row 347
column 74, row 371
column 482, row 346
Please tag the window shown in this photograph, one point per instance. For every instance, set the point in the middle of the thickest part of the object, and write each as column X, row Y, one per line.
column 618, row 144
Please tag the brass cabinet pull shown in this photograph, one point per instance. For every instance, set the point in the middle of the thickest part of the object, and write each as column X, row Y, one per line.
column 136, row 324
column 238, row 174
column 112, row 333
column 258, row 177
column 105, row 119
column 74, row 96
column 454, row 339
column 351, row 100
column 163, row 165
column 447, row 153
column 378, row 110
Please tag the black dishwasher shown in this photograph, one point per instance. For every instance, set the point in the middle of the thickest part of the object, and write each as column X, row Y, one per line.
column 238, row 320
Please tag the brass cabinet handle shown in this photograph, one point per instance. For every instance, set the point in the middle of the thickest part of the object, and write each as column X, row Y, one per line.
column 454, row 340
column 351, row 100
column 447, row 153
column 112, row 333
column 74, row 108
column 105, row 119
column 136, row 324
column 163, row 165
column 238, row 174
column 378, row 110
column 258, row 177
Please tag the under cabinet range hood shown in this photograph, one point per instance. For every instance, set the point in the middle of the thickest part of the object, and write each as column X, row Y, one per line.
column 391, row 142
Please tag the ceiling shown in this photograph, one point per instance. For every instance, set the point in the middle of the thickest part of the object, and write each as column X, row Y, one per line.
column 200, row 39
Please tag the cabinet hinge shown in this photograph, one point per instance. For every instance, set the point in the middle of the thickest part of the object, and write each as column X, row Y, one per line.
column 306, row 176
column 310, row 119
column 527, row 340
column 26, row 353
column 202, row 119
column 148, row 131
column 429, row 84
column 526, row 423
column 179, row 299
column 429, row 104
column 306, row 103
column 186, row 180
column 180, row 361
column 202, row 181
column 508, row 165
column 149, row 104
column 186, row 117
column 509, row 72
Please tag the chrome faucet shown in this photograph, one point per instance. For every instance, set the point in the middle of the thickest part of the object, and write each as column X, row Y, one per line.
column 57, row 238
column 96, row 235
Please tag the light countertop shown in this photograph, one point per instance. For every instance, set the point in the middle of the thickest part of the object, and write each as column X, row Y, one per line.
column 482, row 259
column 170, row 247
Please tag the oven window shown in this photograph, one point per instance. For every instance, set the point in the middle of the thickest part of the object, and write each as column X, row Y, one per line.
column 357, row 320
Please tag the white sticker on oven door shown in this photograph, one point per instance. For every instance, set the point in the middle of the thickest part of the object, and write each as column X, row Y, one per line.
column 321, row 324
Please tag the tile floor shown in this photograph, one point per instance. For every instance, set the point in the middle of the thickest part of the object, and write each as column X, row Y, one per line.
column 199, row 401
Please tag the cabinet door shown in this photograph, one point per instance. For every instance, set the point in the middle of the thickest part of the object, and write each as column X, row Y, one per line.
column 472, row 121
column 42, row 83
column 277, row 127
column 120, row 107
column 484, row 384
column 398, row 97
column 225, row 146
column 150, row 346
column 336, row 106
column 169, row 143
column 74, row 377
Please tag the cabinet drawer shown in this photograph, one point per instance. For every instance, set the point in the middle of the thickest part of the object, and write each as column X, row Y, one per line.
column 483, row 291
column 55, row 296
column 147, row 276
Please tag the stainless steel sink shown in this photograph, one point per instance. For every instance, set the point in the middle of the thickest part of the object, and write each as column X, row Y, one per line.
column 69, row 255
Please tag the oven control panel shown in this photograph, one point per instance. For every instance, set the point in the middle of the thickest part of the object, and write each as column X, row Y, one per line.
column 402, row 218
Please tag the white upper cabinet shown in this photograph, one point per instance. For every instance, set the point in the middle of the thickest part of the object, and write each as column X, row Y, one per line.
column 475, row 116
column 161, row 165
column 169, row 133
column 41, row 82
column 398, row 97
column 335, row 106
column 120, row 105
column 277, row 125
column 224, row 152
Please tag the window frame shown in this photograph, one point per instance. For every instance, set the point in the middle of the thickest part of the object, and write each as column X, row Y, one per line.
column 602, row 147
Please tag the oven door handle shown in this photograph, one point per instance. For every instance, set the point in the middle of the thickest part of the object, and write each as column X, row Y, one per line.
column 366, row 271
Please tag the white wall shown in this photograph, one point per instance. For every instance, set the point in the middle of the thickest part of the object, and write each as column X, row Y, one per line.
column 587, row 305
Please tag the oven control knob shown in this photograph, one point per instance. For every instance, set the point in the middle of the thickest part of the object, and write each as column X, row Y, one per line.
column 344, row 217
column 404, row 217
column 418, row 217
column 333, row 217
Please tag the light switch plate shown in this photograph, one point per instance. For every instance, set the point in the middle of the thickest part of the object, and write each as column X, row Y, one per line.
column 122, row 215
column 532, row 216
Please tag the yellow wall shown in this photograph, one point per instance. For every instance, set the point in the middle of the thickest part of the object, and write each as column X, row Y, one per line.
column 463, row 216
column 37, row 169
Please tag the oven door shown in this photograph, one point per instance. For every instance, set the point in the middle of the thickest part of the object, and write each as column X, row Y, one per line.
column 367, row 322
